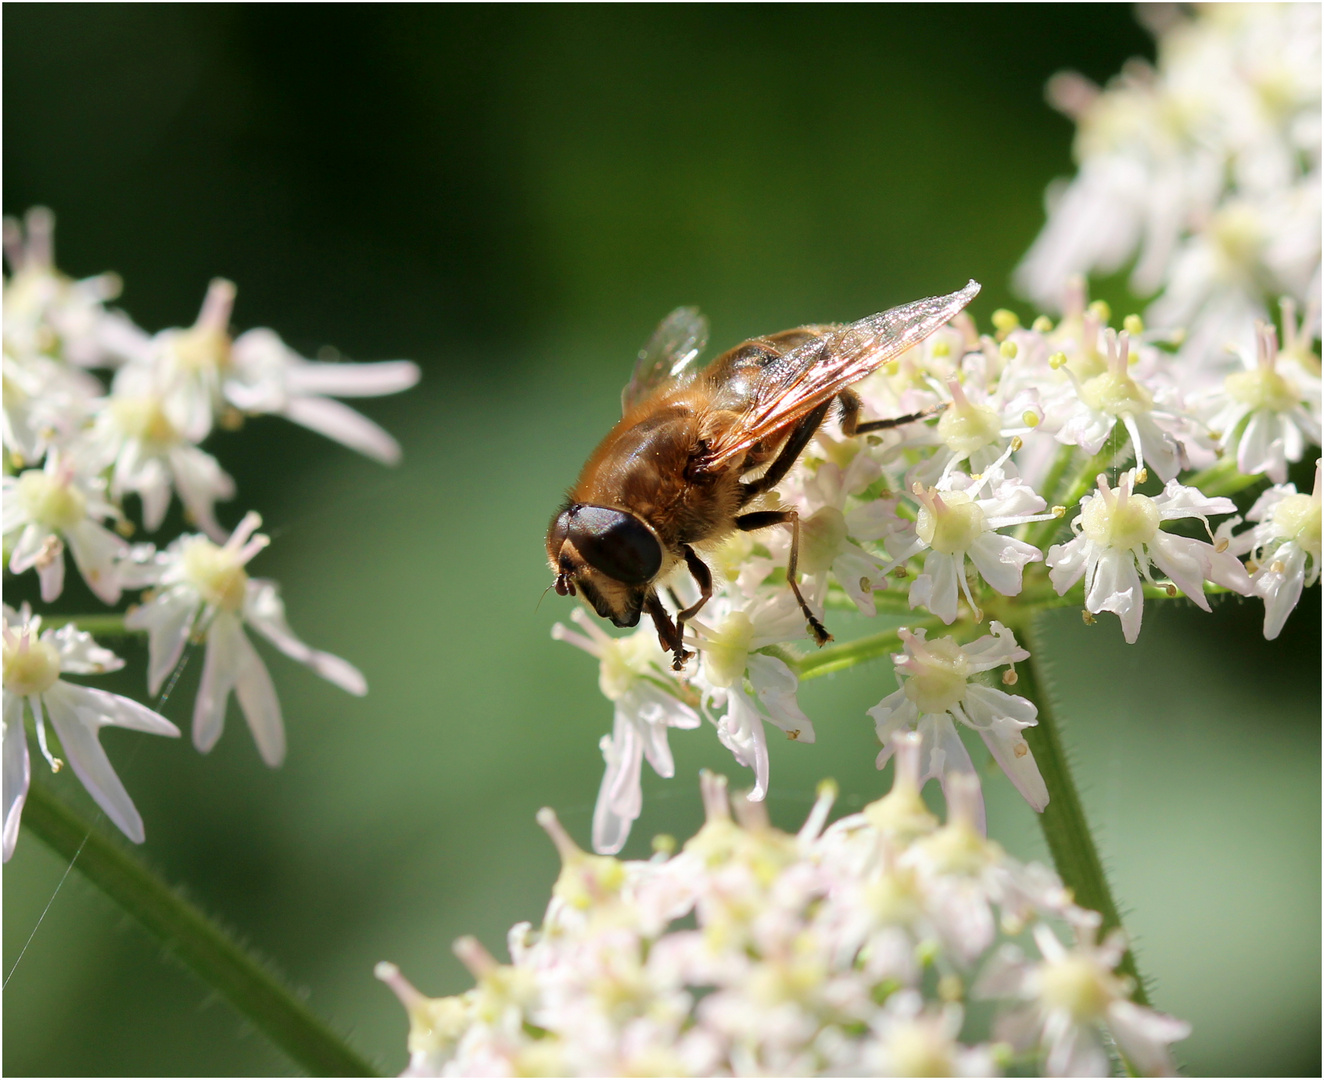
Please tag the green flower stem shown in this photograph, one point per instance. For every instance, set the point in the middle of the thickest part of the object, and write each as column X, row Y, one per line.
column 847, row 655
column 1063, row 820
column 99, row 626
column 209, row 951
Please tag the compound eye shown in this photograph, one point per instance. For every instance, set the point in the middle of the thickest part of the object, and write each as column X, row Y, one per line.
column 617, row 543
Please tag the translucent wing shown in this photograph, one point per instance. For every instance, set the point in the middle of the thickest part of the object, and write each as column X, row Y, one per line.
column 669, row 355
column 814, row 372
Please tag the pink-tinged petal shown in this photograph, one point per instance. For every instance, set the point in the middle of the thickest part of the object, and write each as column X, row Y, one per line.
column 894, row 713
column 948, row 757
column 1154, row 446
column 89, row 761
column 1224, row 568
column 220, row 668
column 1114, row 585
column 1074, row 1049
column 1005, row 742
column 1261, row 447
column 31, row 544
column 17, row 770
column 1067, row 563
column 13, row 514
column 51, row 576
column 201, row 481
column 352, row 380
column 935, row 589
column 168, row 620
column 96, row 550
column 1143, row 1036
column 257, row 699
column 1180, row 501
column 153, row 489
column 99, row 708
column 79, row 653
column 344, row 425
column 741, row 732
column 265, row 612
column 620, row 797
column 995, row 649
column 775, row 685
column 1281, row 590
column 1001, row 561
column 1183, row 560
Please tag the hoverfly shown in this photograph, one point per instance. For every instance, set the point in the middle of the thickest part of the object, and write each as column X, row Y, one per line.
column 695, row 446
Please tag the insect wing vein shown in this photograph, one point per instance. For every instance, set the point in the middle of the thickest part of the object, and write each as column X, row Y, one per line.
column 817, row 370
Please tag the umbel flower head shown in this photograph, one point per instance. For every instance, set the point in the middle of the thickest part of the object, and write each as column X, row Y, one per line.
column 202, row 590
column 838, row 951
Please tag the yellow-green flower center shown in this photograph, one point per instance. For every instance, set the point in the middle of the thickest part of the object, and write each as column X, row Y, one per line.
column 969, row 427
column 32, row 670
column 1116, row 394
column 1237, row 231
column 622, row 662
column 938, row 677
column 1262, row 388
column 142, row 418
column 1076, row 985
column 917, row 1049
column 1127, row 523
column 50, row 502
column 215, row 572
column 727, row 650
column 894, row 898
column 1297, row 517
column 953, row 525
column 202, row 348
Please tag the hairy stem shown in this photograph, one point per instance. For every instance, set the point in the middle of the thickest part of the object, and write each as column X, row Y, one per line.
column 205, row 948
column 847, row 655
column 1063, row 820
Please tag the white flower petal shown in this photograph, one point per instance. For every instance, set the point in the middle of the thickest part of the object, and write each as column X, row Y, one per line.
column 96, row 550
column 79, row 653
column 352, row 380
column 168, row 620
column 344, row 425
column 257, row 699
column 17, row 769
column 265, row 612
column 89, row 760
column 220, row 668
column 99, row 708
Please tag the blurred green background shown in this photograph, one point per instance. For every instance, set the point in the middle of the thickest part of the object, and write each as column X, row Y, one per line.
column 513, row 197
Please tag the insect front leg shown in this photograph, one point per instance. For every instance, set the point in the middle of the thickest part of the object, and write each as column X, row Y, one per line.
column 704, row 579
column 668, row 634
column 762, row 519
column 849, row 401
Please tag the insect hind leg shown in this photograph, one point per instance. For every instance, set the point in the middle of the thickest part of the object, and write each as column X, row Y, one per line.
column 762, row 519
column 851, row 425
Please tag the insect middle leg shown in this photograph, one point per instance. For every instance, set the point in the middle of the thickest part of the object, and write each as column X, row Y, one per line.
column 762, row 519
column 790, row 453
column 704, row 578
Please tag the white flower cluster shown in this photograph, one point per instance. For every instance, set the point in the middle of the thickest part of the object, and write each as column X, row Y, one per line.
column 849, row 950
column 75, row 448
column 1204, row 169
column 951, row 519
